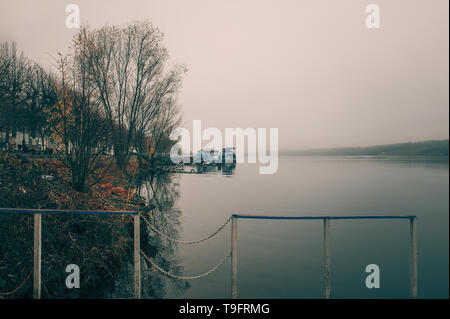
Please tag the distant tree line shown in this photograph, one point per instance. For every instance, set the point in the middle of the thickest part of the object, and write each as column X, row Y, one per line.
column 26, row 91
column 425, row 148
column 114, row 92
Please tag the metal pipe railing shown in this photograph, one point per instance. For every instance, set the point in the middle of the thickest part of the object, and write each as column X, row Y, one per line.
column 37, row 242
column 326, row 245
column 234, row 244
column 62, row 211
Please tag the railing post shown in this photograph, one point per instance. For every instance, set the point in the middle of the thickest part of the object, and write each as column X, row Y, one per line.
column 234, row 257
column 413, row 278
column 137, row 257
column 326, row 249
column 37, row 246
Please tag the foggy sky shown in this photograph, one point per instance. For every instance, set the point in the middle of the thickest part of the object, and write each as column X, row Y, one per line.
column 310, row 68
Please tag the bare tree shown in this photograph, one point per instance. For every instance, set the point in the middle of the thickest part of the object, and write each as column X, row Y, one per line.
column 78, row 121
column 128, row 67
column 26, row 93
column 13, row 70
column 41, row 97
column 156, row 121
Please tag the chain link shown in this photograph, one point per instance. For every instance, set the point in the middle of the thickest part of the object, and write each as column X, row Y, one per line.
column 185, row 277
column 186, row 243
column 182, row 241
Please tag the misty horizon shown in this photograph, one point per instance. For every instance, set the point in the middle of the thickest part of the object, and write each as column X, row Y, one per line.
column 311, row 69
column 364, row 146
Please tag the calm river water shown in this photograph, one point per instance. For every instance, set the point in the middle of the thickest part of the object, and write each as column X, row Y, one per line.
column 284, row 259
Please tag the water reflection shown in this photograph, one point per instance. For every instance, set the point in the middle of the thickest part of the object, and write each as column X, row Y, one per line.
column 228, row 169
column 161, row 193
column 215, row 169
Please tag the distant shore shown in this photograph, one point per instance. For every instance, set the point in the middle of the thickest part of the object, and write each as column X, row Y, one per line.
column 425, row 148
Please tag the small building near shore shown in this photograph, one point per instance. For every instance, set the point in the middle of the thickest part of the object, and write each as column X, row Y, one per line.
column 20, row 138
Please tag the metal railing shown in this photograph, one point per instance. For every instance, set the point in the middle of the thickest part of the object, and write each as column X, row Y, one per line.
column 37, row 242
column 326, row 245
column 234, row 245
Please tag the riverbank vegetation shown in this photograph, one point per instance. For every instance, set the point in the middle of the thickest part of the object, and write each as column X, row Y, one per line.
column 101, row 245
column 114, row 93
column 106, row 112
